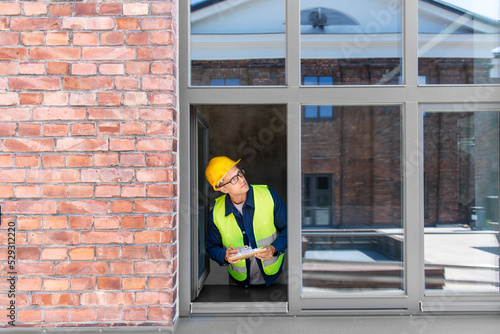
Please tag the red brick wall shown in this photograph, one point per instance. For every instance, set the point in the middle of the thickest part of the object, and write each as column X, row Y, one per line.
column 88, row 163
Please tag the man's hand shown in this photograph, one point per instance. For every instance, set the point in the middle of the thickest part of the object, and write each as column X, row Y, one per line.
column 268, row 254
column 230, row 253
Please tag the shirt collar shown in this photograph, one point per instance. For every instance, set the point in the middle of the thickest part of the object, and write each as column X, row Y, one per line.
column 249, row 201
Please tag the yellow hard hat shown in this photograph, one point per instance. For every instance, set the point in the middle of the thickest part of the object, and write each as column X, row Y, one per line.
column 217, row 168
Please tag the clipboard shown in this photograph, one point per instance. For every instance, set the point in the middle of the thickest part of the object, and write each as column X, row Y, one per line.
column 247, row 254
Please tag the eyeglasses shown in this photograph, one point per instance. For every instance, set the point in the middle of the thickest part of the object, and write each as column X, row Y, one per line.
column 235, row 178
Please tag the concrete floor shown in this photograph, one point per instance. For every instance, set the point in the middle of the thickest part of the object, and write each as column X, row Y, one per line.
column 424, row 324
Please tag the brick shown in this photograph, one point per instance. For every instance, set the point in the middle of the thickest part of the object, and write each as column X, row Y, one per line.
column 134, row 252
column 108, row 314
column 56, row 315
column 119, row 114
column 35, row 24
column 82, row 284
column 154, row 298
column 56, row 284
column 80, row 191
column 107, row 298
column 126, row 83
column 82, row 268
column 111, row 237
column 107, row 175
column 135, row 8
column 55, row 130
column 134, row 128
column 111, row 69
column 29, row 284
column 127, row 23
column 105, row 159
column 28, row 253
column 137, row 38
column 121, row 144
column 110, row 9
column 55, row 223
column 83, row 129
column 80, row 222
column 82, row 99
column 9, row 99
column 121, row 268
column 53, row 176
column 35, row 99
column 28, row 145
column 53, row 160
column 35, row 9
column 13, row 53
column 85, row 9
column 87, row 83
column 155, row 53
column 163, row 68
column 107, row 253
column 29, row 223
column 163, row 8
column 88, row 23
column 160, row 283
column 54, row 253
column 10, row 8
column 53, row 99
column 112, row 38
column 8, row 68
column 14, row 114
column 162, row 38
column 160, row 314
column 153, row 175
column 154, row 237
column 57, row 38
column 35, row 83
column 12, row 175
column 154, row 267
column 79, row 160
column 56, row 299
column 159, row 129
column 6, row 191
column 81, row 253
column 57, row 68
column 83, row 69
column 161, row 190
column 31, row 68
column 109, row 99
column 107, row 190
column 60, row 9
column 6, row 160
column 162, row 99
column 134, row 190
column 29, row 315
column 27, row 191
column 135, row 99
column 85, row 38
column 156, row 23
column 83, row 144
column 29, row 130
column 54, row 191
column 134, row 314
column 55, row 53
column 108, row 53
column 134, row 283
column 155, row 144
column 132, row 222
column 38, row 268
column 137, row 68
column 53, row 238
column 154, row 206
column 109, row 283
column 106, row 223
column 166, row 83
column 8, row 38
column 83, row 207
column 122, row 206
column 83, row 314
column 34, row 38
column 162, row 252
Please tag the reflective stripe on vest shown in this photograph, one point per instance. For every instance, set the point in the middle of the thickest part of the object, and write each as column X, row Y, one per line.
column 264, row 230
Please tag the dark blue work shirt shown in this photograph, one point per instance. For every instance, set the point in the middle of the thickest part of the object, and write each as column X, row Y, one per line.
column 216, row 249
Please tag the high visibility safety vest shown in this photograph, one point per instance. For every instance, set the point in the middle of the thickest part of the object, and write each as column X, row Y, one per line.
column 264, row 230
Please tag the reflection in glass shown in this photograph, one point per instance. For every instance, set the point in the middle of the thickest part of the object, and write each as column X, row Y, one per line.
column 355, row 42
column 237, row 43
column 461, row 166
column 459, row 45
column 352, row 236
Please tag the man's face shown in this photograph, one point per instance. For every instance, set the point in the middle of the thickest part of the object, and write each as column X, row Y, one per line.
column 239, row 188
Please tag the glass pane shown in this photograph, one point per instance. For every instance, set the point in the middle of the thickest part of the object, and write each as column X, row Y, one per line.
column 355, row 42
column 203, row 261
column 461, row 166
column 242, row 41
column 352, row 235
column 459, row 42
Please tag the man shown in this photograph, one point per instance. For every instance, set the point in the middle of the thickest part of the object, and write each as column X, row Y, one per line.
column 245, row 215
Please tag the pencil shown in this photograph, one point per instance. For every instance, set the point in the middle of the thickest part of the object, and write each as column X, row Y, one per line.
column 231, row 246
